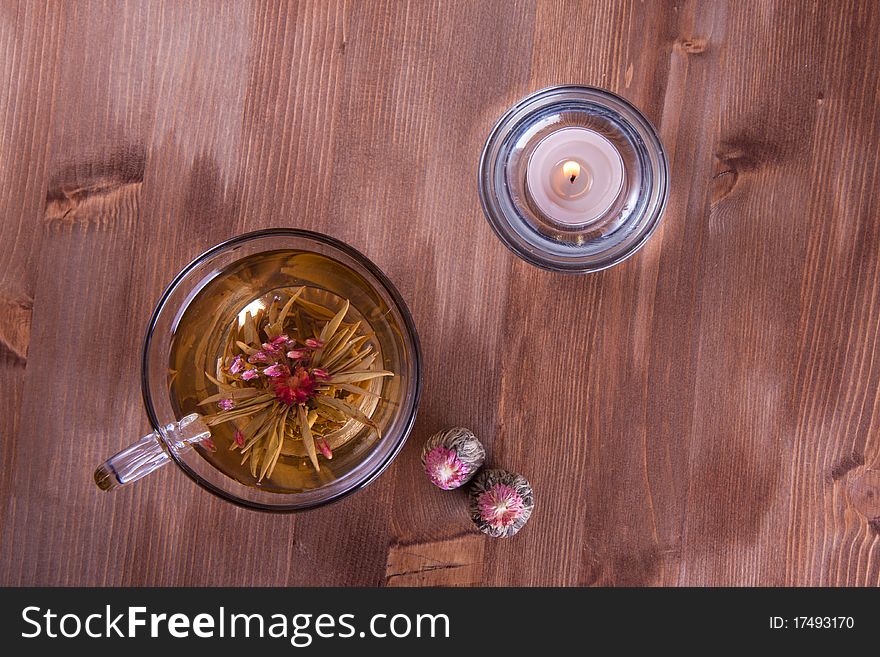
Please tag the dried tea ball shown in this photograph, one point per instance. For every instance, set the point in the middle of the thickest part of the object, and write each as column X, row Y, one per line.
column 452, row 457
column 501, row 502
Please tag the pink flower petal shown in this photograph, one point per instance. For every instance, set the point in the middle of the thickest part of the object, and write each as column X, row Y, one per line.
column 276, row 370
column 226, row 404
column 445, row 469
column 239, row 438
column 296, row 354
column 208, row 444
column 318, row 373
column 237, row 365
column 325, row 449
column 281, row 339
column 500, row 506
column 247, row 375
column 313, row 343
column 260, row 357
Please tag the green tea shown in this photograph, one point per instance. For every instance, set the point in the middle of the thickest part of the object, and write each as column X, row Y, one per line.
column 281, row 353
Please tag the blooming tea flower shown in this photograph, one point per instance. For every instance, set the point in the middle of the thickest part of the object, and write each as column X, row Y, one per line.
column 288, row 376
column 296, row 389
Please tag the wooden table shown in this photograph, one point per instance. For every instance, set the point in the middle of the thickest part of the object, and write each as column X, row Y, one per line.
column 694, row 416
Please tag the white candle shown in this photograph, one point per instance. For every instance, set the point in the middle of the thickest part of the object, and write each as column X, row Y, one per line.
column 575, row 175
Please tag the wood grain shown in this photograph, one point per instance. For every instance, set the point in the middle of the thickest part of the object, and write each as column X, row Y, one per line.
column 706, row 413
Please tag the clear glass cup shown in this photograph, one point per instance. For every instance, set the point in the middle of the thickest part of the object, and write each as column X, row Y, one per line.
column 179, row 439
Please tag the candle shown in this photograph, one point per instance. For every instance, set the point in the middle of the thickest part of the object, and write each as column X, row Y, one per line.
column 575, row 175
column 573, row 179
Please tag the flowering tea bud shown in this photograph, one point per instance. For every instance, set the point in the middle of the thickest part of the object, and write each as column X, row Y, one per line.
column 452, row 457
column 500, row 502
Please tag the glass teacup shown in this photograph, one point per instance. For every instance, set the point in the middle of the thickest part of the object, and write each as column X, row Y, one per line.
column 306, row 259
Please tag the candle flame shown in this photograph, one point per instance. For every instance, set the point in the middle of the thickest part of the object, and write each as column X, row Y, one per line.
column 571, row 170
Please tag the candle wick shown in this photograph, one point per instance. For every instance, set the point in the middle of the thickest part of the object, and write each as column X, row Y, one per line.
column 570, row 170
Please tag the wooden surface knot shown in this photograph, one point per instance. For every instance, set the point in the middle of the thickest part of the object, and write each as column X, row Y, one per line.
column 863, row 494
column 455, row 561
column 736, row 157
column 846, row 464
column 97, row 206
column 15, row 327
column 97, row 192
column 693, row 46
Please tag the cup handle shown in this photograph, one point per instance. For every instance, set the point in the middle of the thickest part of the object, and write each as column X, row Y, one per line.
column 151, row 452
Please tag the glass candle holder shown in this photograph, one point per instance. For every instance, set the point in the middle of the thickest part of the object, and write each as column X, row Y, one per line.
column 573, row 179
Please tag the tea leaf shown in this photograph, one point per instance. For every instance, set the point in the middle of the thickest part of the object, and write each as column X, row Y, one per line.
column 219, row 383
column 257, row 454
column 306, row 434
column 357, row 390
column 329, row 331
column 273, row 311
column 355, row 377
column 273, row 450
column 347, row 347
column 314, row 309
column 359, row 359
column 255, row 327
column 279, row 323
column 332, row 414
column 248, row 329
column 266, row 459
column 235, row 413
column 332, row 345
column 333, row 325
column 259, row 434
column 351, row 411
column 235, row 394
column 250, row 351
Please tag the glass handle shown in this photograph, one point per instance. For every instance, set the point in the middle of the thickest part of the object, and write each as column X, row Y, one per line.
column 151, row 452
